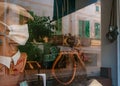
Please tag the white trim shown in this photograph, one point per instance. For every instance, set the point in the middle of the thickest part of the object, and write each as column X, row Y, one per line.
column 118, row 43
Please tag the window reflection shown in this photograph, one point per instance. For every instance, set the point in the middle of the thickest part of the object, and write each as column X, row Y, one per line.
column 80, row 30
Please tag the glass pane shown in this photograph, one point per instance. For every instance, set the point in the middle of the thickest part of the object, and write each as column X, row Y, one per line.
column 97, row 30
column 97, row 8
column 84, row 28
column 65, row 50
column 87, row 29
column 81, row 28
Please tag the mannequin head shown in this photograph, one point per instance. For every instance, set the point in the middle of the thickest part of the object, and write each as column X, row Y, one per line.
column 10, row 18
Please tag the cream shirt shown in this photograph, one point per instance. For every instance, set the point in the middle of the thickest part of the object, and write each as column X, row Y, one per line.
column 7, row 60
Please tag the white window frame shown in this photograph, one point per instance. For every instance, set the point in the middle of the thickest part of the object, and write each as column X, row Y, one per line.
column 118, row 43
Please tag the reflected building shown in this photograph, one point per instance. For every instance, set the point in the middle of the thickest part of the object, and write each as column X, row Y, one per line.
column 85, row 22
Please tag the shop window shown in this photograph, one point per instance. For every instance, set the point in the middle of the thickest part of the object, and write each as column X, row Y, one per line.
column 97, row 30
column 97, row 9
column 53, row 46
column 84, row 28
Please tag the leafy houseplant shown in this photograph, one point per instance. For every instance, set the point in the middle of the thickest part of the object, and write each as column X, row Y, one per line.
column 39, row 28
column 34, row 53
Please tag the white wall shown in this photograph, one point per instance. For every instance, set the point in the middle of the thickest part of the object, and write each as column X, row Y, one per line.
column 108, row 50
column 71, row 22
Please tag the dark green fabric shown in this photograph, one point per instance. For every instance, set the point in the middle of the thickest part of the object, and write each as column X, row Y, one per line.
column 47, row 48
column 54, row 49
column 50, row 57
column 65, row 7
column 51, row 54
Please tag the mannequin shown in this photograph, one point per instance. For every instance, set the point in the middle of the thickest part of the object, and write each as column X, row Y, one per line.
column 12, row 61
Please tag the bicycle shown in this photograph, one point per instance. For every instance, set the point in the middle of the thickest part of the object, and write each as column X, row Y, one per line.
column 76, row 60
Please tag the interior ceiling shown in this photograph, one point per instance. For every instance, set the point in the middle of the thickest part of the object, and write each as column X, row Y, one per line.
column 28, row 4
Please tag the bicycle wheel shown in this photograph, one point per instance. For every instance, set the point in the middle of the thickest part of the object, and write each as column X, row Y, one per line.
column 66, row 76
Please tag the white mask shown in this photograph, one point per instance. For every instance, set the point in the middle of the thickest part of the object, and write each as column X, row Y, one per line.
column 18, row 33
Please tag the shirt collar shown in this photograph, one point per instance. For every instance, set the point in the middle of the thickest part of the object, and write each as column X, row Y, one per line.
column 5, row 60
